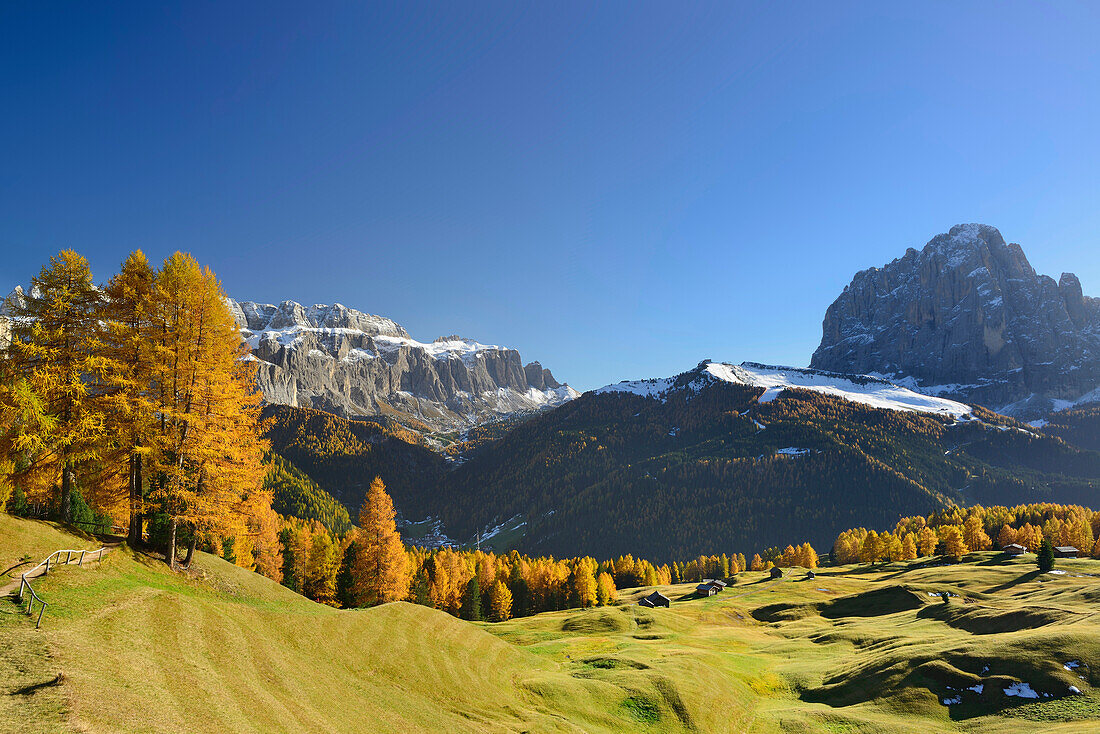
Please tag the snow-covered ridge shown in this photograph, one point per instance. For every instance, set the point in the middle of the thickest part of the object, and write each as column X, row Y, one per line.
column 865, row 389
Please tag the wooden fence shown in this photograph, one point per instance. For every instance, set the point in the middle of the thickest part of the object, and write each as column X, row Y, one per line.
column 24, row 582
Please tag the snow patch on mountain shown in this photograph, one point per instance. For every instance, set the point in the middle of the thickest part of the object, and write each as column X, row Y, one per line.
column 864, row 389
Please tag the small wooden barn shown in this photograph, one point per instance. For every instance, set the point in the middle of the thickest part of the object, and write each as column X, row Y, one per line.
column 706, row 590
column 811, row 575
column 718, row 583
column 656, row 599
column 1014, row 549
column 776, row 572
column 1065, row 551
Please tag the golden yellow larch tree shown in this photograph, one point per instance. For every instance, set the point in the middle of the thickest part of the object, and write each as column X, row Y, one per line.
column 500, row 602
column 974, row 534
column 606, row 593
column 128, row 341
column 584, row 582
column 927, row 540
column 908, row 548
column 381, row 573
column 953, row 542
column 54, row 350
column 209, row 445
column 1006, row 536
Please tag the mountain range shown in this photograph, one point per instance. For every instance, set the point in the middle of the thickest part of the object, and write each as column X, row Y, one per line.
column 350, row 363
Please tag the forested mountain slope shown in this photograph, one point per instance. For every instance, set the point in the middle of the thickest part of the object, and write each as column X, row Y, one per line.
column 676, row 467
column 342, row 456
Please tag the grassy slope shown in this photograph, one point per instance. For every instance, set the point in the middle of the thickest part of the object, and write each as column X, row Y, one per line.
column 852, row 651
column 236, row 652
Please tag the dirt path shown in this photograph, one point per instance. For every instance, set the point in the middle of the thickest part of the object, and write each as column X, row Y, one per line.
column 12, row 586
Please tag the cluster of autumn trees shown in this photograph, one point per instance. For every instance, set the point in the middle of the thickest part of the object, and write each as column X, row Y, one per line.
column 957, row 531
column 370, row 565
column 135, row 395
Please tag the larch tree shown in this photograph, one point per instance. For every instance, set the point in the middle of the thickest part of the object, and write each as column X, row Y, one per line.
column 908, row 548
column 953, row 543
column 209, row 436
column 129, row 340
column 974, row 534
column 1006, row 536
column 605, row 589
column 500, row 602
column 54, row 349
column 927, row 541
column 584, row 583
column 25, row 427
column 381, row 572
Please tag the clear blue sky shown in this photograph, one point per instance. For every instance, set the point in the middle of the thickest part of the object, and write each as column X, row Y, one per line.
column 618, row 190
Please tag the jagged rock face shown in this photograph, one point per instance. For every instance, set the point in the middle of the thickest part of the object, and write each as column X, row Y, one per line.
column 968, row 317
column 354, row 364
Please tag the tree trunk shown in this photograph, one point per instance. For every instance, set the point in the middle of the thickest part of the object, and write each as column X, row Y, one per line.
column 134, row 538
column 170, row 554
column 191, row 548
column 66, row 494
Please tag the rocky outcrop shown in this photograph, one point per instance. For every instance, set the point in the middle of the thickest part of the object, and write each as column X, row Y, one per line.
column 967, row 317
column 346, row 362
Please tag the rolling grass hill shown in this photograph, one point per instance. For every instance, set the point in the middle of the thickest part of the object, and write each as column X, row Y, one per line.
column 853, row 650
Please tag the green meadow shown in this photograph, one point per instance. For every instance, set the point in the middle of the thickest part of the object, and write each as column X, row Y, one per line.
column 127, row 646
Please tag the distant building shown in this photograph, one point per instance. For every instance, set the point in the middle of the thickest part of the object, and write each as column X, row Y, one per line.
column 706, row 589
column 656, row 599
column 1065, row 551
column 776, row 572
column 719, row 583
column 811, row 575
column 1014, row 549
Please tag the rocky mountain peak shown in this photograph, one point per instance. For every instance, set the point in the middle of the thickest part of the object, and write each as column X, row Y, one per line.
column 968, row 316
column 351, row 363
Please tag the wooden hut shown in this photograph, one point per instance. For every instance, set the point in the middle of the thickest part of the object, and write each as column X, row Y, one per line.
column 776, row 572
column 1065, row 551
column 1014, row 549
column 656, row 599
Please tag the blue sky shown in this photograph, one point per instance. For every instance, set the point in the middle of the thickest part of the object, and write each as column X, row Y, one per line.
column 616, row 189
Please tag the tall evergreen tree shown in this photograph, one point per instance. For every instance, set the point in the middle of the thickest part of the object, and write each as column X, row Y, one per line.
column 471, row 601
column 1046, row 556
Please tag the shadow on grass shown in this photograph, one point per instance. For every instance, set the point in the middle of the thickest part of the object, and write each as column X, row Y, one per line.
column 1023, row 579
column 35, row 687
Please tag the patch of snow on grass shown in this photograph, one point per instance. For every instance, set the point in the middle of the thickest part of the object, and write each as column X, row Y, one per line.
column 1075, row 690
column 1058, row 572
column 1022, row 690
column 1072, row 665
column 952, row 701
column 792, row 451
